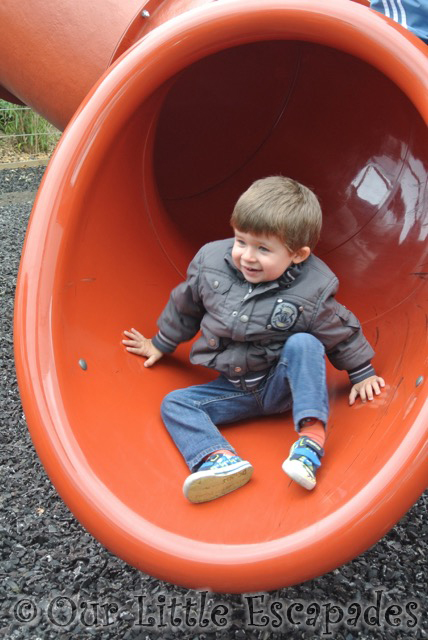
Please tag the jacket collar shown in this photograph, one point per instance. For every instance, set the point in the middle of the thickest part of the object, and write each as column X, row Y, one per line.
column 291, row 274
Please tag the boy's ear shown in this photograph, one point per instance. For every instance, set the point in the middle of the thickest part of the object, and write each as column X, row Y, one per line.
column 301, row 254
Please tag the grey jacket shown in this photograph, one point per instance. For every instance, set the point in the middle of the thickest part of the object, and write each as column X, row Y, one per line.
column 243, row 329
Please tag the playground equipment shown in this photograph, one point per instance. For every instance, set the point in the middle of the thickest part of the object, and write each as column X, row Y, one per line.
column 148, row 170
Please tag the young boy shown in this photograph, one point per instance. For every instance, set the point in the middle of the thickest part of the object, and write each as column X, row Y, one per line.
column 266, row 310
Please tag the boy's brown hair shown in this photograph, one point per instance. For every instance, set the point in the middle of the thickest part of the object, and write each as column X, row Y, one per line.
column 281, row 207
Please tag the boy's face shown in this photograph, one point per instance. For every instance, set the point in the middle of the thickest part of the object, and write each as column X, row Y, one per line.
column 263, row 258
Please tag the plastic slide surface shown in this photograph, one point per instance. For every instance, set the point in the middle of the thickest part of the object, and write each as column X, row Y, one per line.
column 147, row 171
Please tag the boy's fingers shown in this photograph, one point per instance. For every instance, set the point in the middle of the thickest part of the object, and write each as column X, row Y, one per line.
column 352, row 395
column 132, row 344
column 366, row 392
column 138, row 334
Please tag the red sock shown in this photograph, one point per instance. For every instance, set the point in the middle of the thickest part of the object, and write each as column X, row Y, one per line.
column 313, row 429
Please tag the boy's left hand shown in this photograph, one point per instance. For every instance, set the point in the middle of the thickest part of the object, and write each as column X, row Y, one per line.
column 366, row 388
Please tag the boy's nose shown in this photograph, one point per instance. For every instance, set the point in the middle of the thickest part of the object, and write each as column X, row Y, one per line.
column 248, row 254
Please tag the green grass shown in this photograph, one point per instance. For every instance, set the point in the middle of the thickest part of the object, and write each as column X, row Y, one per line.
column 24, row 131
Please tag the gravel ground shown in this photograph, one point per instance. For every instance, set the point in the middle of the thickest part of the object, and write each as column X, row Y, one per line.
column 58, row 582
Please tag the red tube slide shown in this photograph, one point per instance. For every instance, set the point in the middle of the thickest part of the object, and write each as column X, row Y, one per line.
column 331, row 94
column 52, row 52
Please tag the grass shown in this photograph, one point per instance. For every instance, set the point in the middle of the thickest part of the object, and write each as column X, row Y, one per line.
column 24, row 131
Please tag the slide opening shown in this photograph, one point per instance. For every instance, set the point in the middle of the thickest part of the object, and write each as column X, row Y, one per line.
column 270, row 107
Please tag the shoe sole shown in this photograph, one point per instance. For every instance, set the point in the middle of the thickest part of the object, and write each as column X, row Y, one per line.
column 203, row 486
column 294, row 469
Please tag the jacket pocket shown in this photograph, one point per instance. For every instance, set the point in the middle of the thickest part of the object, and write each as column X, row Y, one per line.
column 214, row 289
column 215, row 284
column 206, row 349
column 263, row 355
column 347, row 318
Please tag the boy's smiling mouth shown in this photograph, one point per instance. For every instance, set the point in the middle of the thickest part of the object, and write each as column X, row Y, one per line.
column 250, row 269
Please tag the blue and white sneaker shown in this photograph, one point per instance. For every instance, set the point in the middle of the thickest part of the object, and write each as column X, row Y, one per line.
column 303, row 461
column 219, row 474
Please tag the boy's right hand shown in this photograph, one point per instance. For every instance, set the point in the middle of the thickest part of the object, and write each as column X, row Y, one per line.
column 142, row 346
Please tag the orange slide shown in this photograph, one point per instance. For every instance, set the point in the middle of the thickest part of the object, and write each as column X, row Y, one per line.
column 195, row 107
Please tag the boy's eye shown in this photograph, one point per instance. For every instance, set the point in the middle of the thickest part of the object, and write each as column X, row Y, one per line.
column 264, row 249
column 240, row 242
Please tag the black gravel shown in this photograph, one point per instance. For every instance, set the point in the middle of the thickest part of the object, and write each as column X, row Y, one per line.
column 13, row 180
column 58, row 582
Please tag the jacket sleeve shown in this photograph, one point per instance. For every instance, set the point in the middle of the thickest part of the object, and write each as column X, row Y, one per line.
column 340, row 332
column 181, row 318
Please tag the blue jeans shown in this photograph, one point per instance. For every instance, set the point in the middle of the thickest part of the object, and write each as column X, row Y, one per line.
column 298, row 381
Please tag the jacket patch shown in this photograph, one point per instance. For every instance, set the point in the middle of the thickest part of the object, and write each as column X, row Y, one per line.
column 284, row 316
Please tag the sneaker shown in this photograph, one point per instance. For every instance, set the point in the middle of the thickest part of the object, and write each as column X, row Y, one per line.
column 303, row 462
column 218, row 475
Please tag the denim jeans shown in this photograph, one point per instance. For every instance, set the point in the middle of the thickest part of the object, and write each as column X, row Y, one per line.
column 297, row 382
